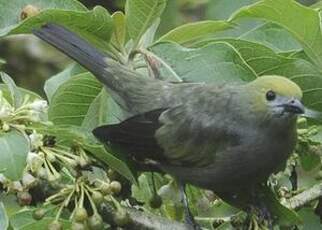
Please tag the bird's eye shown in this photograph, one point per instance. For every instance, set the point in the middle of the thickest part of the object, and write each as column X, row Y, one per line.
column 270, row 95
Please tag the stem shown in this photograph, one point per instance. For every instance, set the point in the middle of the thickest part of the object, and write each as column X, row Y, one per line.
column 91, row 201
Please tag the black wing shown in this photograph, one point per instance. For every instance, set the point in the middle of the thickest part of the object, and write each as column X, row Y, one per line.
column 134, row 136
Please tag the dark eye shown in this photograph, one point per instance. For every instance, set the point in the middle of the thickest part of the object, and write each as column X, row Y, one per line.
column 270, row 95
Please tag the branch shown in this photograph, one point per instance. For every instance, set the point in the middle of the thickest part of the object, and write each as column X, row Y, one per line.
column 142, row 220
column 305, row 197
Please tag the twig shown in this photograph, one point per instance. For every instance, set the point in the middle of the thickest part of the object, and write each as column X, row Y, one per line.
column 143, row 220
column 304, row 197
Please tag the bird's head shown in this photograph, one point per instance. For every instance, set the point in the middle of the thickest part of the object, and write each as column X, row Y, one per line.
column 276, row 97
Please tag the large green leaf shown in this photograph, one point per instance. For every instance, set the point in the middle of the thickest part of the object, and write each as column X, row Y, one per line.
column 14, row 148
column 222, row 9
column 302, row 22
column 10, row 11
column 4, row 221
column 53, row 83
column 95, row 25
column 217, row 62
column 194, row 31
column 103, row 110
column 72, row 99
column 272, row 36
column 141, row 14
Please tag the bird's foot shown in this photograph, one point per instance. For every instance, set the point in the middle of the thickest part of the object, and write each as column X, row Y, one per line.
column 260, row 216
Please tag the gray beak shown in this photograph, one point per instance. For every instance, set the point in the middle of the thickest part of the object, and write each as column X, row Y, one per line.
column 294, row 106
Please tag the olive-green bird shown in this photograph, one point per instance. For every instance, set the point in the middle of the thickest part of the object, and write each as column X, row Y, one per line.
column 226, row 138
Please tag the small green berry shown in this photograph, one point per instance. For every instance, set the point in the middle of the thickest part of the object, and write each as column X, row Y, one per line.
column 55, row 225
column 95, row 222
column 80, row 214
column 106, row 189
column 155, row 201
column 116, row 187
column 121, row 217
column 39, row 213
column 78, row 226
column 97, row 197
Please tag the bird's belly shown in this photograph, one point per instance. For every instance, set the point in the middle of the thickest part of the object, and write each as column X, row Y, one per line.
column 239, row 166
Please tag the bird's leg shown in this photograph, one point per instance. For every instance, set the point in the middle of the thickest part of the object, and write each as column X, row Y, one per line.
column 258, row 211
column 189, row 219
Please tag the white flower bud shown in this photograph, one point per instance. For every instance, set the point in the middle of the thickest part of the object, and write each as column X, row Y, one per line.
column 3, row 179
column 5, row 111
column 34, row 161
column 36, row 139
column 39, row 105
column 28, row 180
column 16, row 186
column 34, row 116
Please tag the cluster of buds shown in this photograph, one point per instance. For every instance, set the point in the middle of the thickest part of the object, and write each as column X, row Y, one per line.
column 46, row 156
column 20, row 187
column 29, row 111
column 92, row 193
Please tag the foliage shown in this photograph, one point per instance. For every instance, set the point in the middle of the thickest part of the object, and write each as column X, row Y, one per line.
column 54, row 173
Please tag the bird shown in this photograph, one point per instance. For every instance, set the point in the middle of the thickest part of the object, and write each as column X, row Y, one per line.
column 228, row 138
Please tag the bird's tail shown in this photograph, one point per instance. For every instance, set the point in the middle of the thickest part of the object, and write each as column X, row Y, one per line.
column 128, row 88
column 76, row 48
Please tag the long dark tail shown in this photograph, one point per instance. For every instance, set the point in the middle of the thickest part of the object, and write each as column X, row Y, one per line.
column 75, row 47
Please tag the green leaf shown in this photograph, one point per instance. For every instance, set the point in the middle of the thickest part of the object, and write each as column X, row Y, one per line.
column 23, row 220
column 14, row 148
column 96, row 25
column 24, row 92
column 16, row 95
column 10, row 11
column 53, row 83
column 222, row 9
column 103, row 110
column 306, row 28
column 144, row 191
column 4, row 221
column 140, row 15
column 119, row 34
column 286, row 217
column 272, row 36
column 310, row 220
column 194, row 31
column 72, row 99
column 217, row 62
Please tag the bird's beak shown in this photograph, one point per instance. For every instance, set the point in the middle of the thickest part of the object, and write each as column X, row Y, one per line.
column 294, row 106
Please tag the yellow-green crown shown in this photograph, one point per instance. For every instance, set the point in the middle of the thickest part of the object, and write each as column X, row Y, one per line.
column 280, row 85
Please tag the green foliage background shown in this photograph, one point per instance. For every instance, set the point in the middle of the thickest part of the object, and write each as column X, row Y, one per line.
column 232, row 41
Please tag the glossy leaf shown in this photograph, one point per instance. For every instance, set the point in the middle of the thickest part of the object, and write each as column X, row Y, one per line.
column 14, row 148
column 10, row 11
column 302, row 22
column 220, row 62
column 140, row 15
column 194, row 31
column 53, row 83
column 72, row 100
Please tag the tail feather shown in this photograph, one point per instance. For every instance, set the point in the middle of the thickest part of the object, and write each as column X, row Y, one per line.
column 75, row 47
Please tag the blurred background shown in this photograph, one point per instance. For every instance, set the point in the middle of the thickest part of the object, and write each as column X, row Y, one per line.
column 30, row 62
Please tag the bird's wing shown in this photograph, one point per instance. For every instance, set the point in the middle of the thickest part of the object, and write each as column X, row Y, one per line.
column 174, row 136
